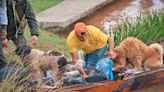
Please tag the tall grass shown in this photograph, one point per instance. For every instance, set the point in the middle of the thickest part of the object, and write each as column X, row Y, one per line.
column 15, row 77
column 146, row 28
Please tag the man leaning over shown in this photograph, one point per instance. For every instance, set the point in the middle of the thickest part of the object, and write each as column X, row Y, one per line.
column 92, row 41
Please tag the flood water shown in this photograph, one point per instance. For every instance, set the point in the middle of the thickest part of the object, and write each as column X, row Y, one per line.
column 113, row 13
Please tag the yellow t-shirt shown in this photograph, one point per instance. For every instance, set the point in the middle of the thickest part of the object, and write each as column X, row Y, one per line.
column 95, row 39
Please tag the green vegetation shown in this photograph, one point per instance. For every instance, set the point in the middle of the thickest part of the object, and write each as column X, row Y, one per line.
column 40, row 5
column 147, row 28
column 14, row 80
column 49, row 41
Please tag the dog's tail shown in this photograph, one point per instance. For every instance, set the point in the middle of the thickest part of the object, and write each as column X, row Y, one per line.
column 157, row 48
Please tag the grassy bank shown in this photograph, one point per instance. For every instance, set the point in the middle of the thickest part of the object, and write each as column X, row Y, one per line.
column 41, row 5
column 49, row 41
column 46, row 40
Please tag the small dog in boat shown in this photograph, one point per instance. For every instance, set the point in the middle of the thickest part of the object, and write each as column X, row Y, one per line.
column 134, row 51
column 37, row 62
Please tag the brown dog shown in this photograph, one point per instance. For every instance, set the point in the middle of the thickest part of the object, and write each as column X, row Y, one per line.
column 38, row 62
column 132, row 50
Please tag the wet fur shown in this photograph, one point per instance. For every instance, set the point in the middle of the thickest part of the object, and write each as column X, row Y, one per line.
column 134, row 51
column 38, row 62
column 54, row 62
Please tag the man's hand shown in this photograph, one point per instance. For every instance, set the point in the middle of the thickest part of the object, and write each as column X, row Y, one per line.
column 84, row 76
column 106, row 54
column 4, row 42
column 34, row 40
column 79, row 66
column 4, row 33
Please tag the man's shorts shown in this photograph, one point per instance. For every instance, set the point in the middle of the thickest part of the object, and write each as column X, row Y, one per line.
column 92, row 58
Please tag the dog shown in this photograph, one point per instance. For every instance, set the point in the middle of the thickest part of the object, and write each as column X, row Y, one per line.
column 134, row 51
column 37, row 62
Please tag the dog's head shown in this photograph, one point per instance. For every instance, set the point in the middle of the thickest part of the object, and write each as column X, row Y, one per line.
column 56, row 62
column 120, row 55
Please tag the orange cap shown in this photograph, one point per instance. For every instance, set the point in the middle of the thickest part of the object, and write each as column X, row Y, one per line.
column 79, row 28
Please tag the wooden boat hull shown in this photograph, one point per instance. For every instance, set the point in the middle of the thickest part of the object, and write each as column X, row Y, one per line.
column 138, row 81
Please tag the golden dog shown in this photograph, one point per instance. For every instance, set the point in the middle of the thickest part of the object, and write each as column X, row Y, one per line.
column 134, row 51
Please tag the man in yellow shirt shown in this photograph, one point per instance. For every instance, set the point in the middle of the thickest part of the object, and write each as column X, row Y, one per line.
column 90, row 40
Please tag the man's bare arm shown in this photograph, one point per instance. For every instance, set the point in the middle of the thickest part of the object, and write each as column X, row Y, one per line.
column 75, row 58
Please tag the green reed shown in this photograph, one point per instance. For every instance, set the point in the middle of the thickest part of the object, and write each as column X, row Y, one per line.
column 146, row 28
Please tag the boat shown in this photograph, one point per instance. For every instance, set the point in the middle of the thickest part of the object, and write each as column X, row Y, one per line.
column 137, row 81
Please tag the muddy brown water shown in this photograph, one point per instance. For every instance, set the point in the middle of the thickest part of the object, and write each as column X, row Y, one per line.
column 113, row 13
